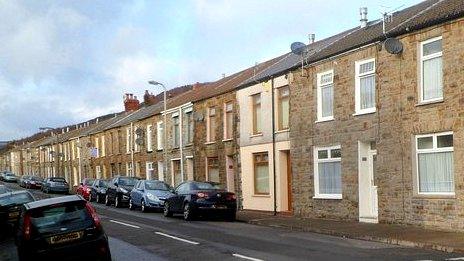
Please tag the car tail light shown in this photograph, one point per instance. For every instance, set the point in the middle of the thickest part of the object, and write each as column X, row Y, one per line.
column 231, row 197
column 27, row 226
column 88, row 189
column 94, row 215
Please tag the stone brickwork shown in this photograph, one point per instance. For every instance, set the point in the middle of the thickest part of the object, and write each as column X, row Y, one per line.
column 398, row 118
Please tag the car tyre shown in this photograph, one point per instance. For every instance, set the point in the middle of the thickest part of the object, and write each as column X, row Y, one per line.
column 117, row 203
column 166, row 211
column 143, row 206
column 232, row 216
column 107, row 200
column 98, row 199
column 131, row 205
column 188, row 212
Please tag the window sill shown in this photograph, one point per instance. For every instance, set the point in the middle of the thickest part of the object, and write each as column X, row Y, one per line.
column 364, row 112
column 149, row 151
column 256, row 135
column 435, row 196
column 159, row 149
column 328, row 196
column 282, row 131
column 261, row 195
column 325, row 120
column 429, row 102
column 209, row 142
column 188, row 145
column 226, row 140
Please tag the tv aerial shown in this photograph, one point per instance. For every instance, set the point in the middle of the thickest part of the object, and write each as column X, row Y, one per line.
column 299, row 48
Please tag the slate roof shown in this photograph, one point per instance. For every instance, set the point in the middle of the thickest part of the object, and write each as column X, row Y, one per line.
column 422, row 15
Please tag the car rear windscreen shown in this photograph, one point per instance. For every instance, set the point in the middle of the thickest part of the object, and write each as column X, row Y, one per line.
column 61, row 218
column 127, row 181
column 61, row 180
column 88, row 182
column 16, row 199
column 156, row 185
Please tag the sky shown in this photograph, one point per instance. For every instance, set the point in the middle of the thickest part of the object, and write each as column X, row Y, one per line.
column 65, row 62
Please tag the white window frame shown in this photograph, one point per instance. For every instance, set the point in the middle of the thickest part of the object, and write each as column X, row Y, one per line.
column 128, row 140
column 97, row 147
column 421, row 73
column 316, row 161
column 319, row 95
column 159, row 135
column 149, row 138
column 102, row 144
column 136, row 136
column 175, row 138
column 226, row 126
column 433, row 150
column 358, row 76
column 129, row 169
column 211, row 113
column 149, row 167
column 98, row 173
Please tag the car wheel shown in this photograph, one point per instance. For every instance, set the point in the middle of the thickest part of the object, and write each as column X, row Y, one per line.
column 143, row 206
column 98, row 199
column 117, row 204
column 131, row 205
column 166, row 211
column 188, row 212
column 107, row 200
column 231, row 216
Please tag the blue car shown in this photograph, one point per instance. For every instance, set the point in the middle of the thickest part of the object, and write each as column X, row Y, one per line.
column 149, row 194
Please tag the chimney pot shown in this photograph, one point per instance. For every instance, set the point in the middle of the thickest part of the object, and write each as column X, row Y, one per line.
column 312, row 38
column 363, row 15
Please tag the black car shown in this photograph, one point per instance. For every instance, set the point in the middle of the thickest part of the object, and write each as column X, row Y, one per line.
column 61, row 228
column 98, row 190
column 55, row 185
column 118, row 191
column 192, row 199
column 10, row 204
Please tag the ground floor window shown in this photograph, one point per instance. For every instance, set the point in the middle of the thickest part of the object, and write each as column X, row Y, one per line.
column 435, row 162
column 150, row 170
column 327, row 172
column 213, row 169
column 129, row 169
column 261, row 173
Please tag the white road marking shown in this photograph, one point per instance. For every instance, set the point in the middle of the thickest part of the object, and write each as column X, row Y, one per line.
column 455, row 258
column 177, row 238
column 247, row 257
column 124, row 224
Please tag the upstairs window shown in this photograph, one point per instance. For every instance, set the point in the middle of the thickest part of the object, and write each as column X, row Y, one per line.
column 128, row 140
column 256, row 103
column 159, row 135
column 283, row 107
column 365, row 86
column 175, row 132
column 149, row 137
column 211, row 133
column 325, row 92
column 103, row 148
column 228, row 120
column 97, row 147
column 189, row 127
column 431, row 70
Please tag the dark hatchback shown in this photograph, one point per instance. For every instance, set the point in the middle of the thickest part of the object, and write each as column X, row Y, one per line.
column 192, row 199
column 10, row 205
column 62, row 228
column 98, row 190
column 118, row 190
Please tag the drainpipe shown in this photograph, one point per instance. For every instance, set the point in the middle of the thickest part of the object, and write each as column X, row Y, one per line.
column 273, row 148
column 132, row 148
column 181, row 145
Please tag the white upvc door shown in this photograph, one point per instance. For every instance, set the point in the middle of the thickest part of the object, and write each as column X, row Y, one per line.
column 368, row 197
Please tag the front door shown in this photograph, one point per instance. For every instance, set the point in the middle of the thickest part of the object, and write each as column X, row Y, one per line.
column 368, row 198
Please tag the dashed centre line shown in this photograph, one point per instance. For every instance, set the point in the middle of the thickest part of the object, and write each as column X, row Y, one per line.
column 247, row 257
column 124, row 224
column 177, row 238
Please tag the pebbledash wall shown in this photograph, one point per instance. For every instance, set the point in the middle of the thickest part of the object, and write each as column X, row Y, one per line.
column 391, row 130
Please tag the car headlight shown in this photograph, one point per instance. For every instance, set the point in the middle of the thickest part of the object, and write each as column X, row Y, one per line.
column 123, row 190
column 152, row 197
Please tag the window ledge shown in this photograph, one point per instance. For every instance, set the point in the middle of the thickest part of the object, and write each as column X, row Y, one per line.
column 209, row 142
column 149, row 151
column 328, row 196
column 262, row 195
column 435, row 196
column 428, row 102
column 282, row 131
column 226, row 140
column 256, row 135
column 325, row 120
column 188, row 145
column 159, row 149
column 364, row 112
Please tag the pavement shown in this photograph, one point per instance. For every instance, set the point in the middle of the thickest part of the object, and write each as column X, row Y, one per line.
column 150, row 236
column 384, row 233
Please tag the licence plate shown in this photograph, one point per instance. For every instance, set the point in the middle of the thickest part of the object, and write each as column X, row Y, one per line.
column 66, row 237
column 13, row 214
column 220, row 207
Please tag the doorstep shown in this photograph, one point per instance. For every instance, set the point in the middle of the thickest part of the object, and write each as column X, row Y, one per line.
column 408, row 236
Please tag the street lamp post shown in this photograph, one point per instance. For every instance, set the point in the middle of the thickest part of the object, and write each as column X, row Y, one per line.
column 165, row 167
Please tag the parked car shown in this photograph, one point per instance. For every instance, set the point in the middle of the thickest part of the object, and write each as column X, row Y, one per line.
column 34, row 182
column 22, row 180
column 84, row 188
column 55, row 184
column 10, row 177
column 192, row 198
column 10, row 204
column 61, row 228
column 118, row 191
column 4, row 189
column 98, row 190
column 149, row 194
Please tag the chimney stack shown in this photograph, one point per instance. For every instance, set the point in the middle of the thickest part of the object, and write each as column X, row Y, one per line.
column 131, row 103
column 363, row 14
column 149, row 98
column 312, row 38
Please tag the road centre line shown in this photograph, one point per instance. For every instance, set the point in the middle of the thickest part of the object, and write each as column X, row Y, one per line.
column 177, row 238
column 247, row 257
column 124, row 224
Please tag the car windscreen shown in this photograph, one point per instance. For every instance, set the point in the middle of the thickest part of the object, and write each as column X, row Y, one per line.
column 156, row 185
column 103, row 183
column 61, row 217
column 206, row 186
column 88, row 182
column 9, row 174
column 15, row 199
column 126, row 182
column 59, row 180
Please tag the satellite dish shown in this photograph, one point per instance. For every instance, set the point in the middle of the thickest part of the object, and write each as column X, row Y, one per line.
column 297, row 48
column 393, row 46
column 199, row 116
column 139, row 131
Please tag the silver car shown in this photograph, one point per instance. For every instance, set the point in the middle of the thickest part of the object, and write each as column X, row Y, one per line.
column 10, row 177
column 55, row 185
